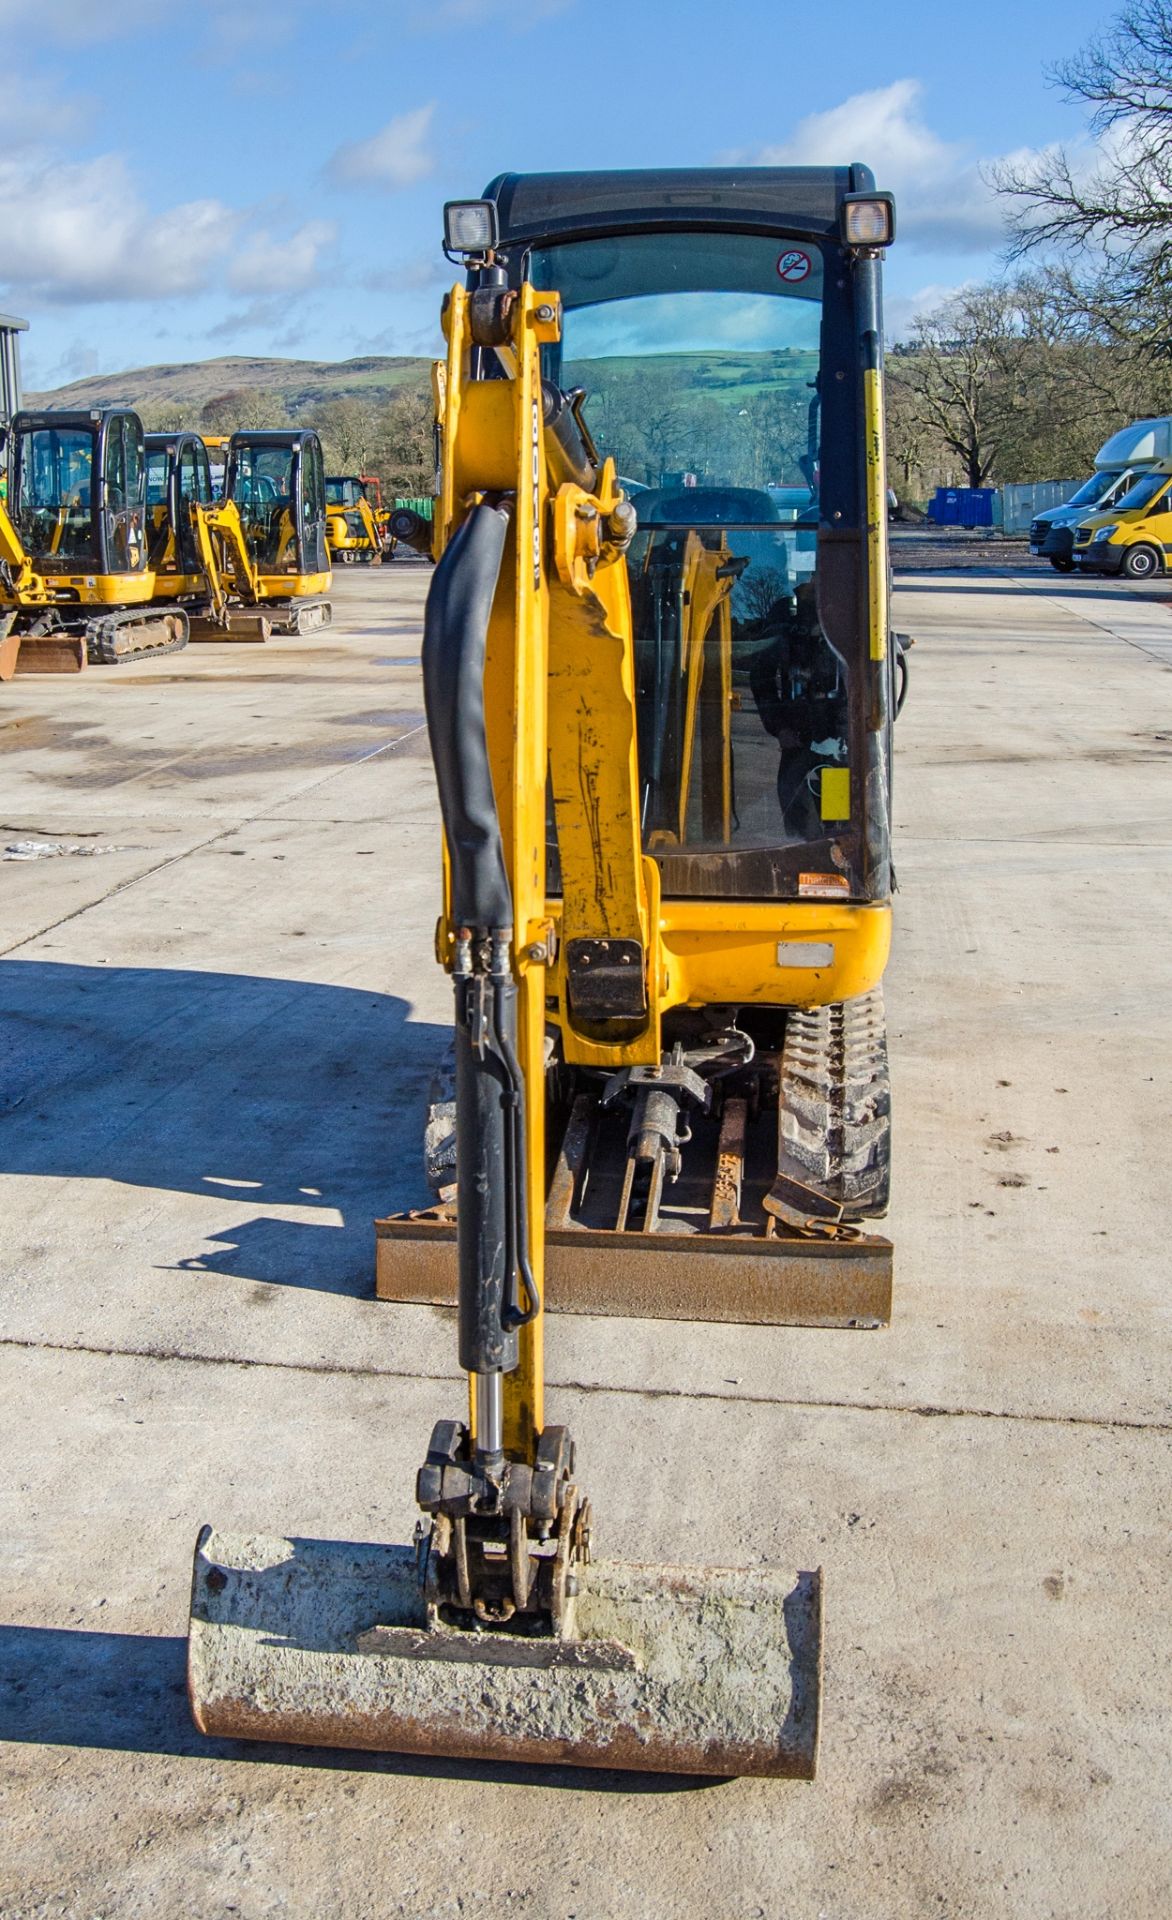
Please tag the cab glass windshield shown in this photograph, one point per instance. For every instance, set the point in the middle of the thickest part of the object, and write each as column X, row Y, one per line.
column 53, row 494
column 158, row 466
column 1143, row 494
column 263, row 480
column 700, row 356
column 1093, row 490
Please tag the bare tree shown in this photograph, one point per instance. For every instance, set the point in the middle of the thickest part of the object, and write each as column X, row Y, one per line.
column 403, row 455
column 165, row 416
column 243, row 407
column 963, row 379
column 350, row 430
column 1121, row 208
column 1014, row 381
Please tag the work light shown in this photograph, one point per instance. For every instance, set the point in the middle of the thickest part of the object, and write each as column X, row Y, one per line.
column 868, row 220
column 470, row 226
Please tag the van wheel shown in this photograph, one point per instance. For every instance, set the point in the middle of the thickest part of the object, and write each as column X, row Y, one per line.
column 1061, row 565
column 1141, row 563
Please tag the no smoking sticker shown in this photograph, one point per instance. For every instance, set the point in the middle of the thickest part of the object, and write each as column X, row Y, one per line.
column 793, row 264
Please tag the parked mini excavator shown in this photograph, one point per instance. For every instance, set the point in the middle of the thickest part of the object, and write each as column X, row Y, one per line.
column 352, row 528
column 660, row 717
column 253, row 560
column 372, row 487
column 76, row 580
column 268, row 534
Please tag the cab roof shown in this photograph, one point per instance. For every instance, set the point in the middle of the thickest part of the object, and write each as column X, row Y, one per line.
column 532, row 207
column 87, row 418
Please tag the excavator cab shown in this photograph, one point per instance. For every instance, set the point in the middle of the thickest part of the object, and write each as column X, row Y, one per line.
column 277, row 480
column 257, row 541
column 77, row 545
column 723, row 373
column 352, row 527
column 178, row 477
column 77, row 491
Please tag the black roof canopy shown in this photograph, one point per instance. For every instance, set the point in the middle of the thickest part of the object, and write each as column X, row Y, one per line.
column 86, row 419
column 287, row 437
column 536, row 207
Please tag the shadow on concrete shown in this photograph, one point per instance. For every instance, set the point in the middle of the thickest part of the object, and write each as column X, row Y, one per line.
column 994, row 583
column 266, row 1092
column 127, row 1693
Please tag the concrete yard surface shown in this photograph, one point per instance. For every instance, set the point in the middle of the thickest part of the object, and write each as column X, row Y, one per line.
column 217, row 901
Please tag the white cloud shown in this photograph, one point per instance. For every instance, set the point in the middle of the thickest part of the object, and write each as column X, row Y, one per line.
column 396, row 156
column 264, row 265
column 902, row 310
column 280, row 323
column 78, row 231
column 943, row 204
column 77, row 362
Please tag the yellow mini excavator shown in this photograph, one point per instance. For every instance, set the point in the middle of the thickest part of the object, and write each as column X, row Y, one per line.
column 262, row 547
column 659, row 685
column 76, row 579
column 353, row 532
column 241, row 564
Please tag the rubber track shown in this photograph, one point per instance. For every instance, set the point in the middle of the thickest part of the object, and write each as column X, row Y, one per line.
column 101, row 639
column 835, row 1103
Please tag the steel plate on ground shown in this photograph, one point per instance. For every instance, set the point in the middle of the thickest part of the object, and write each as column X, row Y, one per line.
column 674, row 1669
column 663, row 1276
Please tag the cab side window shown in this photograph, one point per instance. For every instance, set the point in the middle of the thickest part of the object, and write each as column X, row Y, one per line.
column 133, row 456
column 188, row 480
column 114, row 472
column 315, row 485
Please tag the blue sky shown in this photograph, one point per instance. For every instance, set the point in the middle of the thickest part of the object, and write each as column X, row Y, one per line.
column 179, row 181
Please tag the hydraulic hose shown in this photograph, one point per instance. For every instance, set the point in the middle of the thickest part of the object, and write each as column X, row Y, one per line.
column 455, row 636
column 492, row 1239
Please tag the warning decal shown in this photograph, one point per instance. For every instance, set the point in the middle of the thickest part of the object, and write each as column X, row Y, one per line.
column 793, row 264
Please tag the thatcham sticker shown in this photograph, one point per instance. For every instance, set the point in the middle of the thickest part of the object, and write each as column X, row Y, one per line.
column 793, row 264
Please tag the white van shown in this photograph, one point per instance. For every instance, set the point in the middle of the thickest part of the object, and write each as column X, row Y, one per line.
column 1143, row 447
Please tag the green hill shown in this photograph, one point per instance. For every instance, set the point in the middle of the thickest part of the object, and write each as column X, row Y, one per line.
column 301, row 384
column 727, row 374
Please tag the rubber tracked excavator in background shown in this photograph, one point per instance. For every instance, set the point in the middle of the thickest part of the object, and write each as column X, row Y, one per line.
column 353, row 531
column 168, row 561
column 660, row 711
column 76, row 583
column 261, row 549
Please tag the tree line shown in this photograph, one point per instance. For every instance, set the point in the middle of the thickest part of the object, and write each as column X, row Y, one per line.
column 390, row 437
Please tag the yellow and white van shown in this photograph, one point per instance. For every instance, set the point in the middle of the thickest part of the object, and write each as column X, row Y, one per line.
column 1134, row 538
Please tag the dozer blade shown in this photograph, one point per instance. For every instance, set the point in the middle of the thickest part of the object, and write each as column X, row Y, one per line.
column 49, row 653
column 752, row 1281
column 244, row 623
column 9, row 647
column 672, row 1670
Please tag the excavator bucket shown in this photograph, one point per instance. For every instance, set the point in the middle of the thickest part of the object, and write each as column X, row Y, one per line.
column 670, row 1669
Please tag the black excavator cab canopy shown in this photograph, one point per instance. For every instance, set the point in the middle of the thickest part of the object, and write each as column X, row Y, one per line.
column 276, row 476
column 178, row 475
column 547, row 207
column 77, row 489
column 724, row 325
